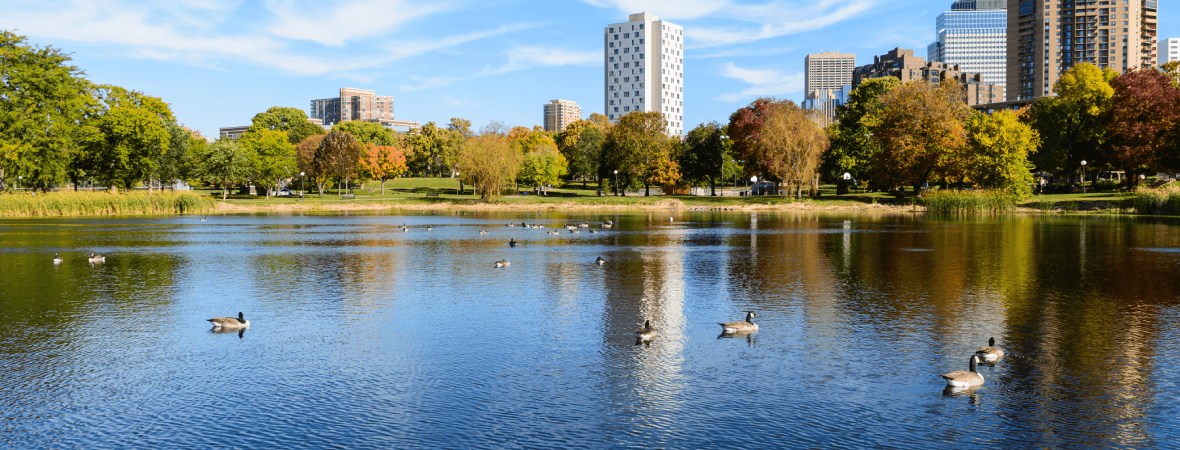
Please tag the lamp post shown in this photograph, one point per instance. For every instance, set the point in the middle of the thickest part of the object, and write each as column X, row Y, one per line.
column 616, row 183
column 753, row 183
column 722, row 156
column 847, row 177
column 18, row 179
column 302, row 184
column 1083, row 176
column 457, row 174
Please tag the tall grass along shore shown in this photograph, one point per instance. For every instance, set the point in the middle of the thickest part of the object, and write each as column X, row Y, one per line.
column 70, row 203
column 966, row 202
column 1163, row 201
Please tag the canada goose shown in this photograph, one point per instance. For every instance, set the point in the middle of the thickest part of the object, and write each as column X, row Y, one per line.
column 967, row 378
column 600, row 261
column 574, row 230
column 554, row 233
column 583, row 225
column 747, row 326
column 510, row 225
column 57, row 259
column 203, row 219
column 647, row 332
column 94, row 259
column 593, row 231
column 483, row 232
column 502, row 263
column 608, row 225
column 991, row 353
column 429, row 228
column 512, row 243
column 230, row 322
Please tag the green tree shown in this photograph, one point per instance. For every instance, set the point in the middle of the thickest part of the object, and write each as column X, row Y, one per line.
column 292, row 121
column 852, row 144
column 922, row 131
column 272, row 155
column 430, row 143
column 581, row 144
column 705, row 153
column 1071, row 123
column 224, row 163
column 543, row 166
column 367, row 132
column 132, row 136
column 1000, row 145
column 639, row 149
column 43, row 101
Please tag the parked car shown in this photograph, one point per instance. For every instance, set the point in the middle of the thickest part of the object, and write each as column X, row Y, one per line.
column 284, row 192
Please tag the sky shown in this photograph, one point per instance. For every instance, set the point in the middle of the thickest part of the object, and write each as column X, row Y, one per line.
column 220, row 62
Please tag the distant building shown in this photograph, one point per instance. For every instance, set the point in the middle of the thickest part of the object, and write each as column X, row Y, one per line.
column 1048, row 37
column 1169, row 50
column 560, row 113
column 827, row 71
column 825, row 104
column 903, row 65
column 974, row 36
column 645, row 69
column 358, row 104
column 233, row 133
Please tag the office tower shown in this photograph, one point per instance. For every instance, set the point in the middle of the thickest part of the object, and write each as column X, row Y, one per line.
column 1169, row 50
column 824, row 104
column 645, row 69
column 974, row 36
column 827, row 71
column 903, row 65
column 560, row 113
column 1048, row 37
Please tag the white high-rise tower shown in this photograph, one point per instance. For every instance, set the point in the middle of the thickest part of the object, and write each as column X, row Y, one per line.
column 645, row 69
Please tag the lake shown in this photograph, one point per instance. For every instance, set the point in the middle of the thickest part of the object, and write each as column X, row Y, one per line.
column 365, row 336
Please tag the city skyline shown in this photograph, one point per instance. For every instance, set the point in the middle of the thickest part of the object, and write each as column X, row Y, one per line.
column 220, row 63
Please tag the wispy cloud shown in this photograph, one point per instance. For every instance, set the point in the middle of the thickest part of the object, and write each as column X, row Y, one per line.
column 765, row 83
column 768, row 20
column 334, row 23
column 519, row 58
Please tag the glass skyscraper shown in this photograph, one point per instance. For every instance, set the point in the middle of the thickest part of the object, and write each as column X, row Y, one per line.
column 973, row 35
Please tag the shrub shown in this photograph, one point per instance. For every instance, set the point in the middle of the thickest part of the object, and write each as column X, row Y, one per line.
column 960, row 202
column 1164, row 201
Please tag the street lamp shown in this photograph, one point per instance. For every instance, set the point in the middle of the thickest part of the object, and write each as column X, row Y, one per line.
column 616, row 183
column 753, row 183
column 1083, row 176
column 847, row 177
column 302, row 184
column 722, row 156
column 18, row 178
column 457, row 174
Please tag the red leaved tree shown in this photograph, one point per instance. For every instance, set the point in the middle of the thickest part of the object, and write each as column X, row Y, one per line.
column 1141, row 123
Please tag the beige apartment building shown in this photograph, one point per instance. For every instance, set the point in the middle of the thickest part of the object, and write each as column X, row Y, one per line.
column 358, row 104
column 903, row 65
column 827, row 71
column 560, row 113
column 1047, row 37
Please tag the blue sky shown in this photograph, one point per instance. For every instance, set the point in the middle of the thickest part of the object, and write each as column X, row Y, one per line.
column 219, row 62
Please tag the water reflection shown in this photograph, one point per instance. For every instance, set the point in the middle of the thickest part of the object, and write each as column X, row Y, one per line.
column 411, row 339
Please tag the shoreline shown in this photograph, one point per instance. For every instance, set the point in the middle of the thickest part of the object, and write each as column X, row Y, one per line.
column 661, row 205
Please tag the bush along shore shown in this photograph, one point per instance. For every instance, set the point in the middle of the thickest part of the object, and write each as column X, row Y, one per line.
column 968, row 202
column 1160, row 202
column 102, row 203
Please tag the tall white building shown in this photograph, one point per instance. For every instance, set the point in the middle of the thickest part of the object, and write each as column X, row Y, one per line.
column 974, row 36
column 645, row 69
column 1169, row 50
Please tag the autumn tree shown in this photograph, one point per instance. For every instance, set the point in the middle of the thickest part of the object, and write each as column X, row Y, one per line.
column 581, row 144
column 1071, row 123
column 272, row 156
column 490, row 163
column 1000, row 145
column 340, row 153
column 705, row 152
column 305, row 158
column 639, row 149
column 1142, row 121
column 292, row 121
column 224, row 163
column 852, row 145
column 922, row 131
column 790, row 147
column 383, row 162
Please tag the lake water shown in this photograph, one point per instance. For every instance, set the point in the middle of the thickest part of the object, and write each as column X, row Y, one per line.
column 364, row 336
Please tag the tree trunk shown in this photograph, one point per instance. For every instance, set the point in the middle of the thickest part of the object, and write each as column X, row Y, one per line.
column 713, row 186
column 224, row 192
column 383, row 186
column 646, row 190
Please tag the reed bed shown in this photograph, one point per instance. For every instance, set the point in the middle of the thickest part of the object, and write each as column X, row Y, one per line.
column 968, row 202
column 69, row 203
column 1164, row 201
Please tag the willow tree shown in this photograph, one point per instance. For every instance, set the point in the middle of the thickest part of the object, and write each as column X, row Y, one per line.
column 490, row 162
column 922, row 131
column 791, row 147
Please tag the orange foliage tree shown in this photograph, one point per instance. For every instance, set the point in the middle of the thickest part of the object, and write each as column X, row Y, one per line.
column 383, row 162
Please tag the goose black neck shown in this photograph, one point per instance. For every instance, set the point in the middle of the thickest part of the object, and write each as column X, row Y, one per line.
column 972, row 364
column 991, row 342
column 750, row 317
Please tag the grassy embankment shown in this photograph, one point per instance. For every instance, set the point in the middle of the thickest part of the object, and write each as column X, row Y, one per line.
column 1164, row 201
column 967, row 202
column 69, row 203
